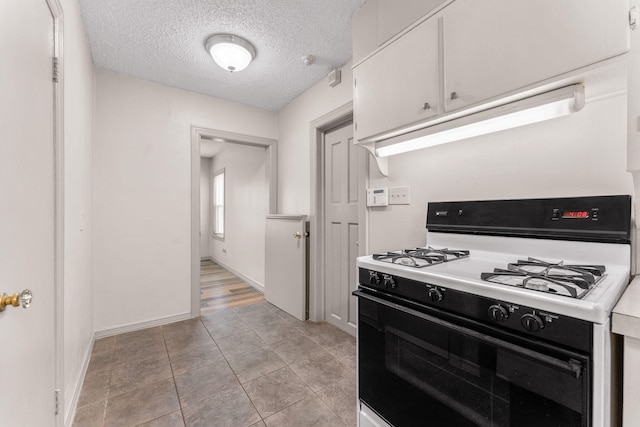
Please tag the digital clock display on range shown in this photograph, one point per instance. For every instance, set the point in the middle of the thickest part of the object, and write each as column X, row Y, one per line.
column 575, row 214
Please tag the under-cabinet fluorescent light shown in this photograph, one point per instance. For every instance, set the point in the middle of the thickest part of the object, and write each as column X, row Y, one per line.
column 548, row 105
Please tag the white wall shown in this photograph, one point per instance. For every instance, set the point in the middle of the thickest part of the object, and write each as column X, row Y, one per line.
column 294, row 156
column 205, row 207
column 246, row 202
column 78, row 198
column 578, row 155
column 142, row 193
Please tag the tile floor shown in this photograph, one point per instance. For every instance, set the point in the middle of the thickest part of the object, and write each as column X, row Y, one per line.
column 248, row 366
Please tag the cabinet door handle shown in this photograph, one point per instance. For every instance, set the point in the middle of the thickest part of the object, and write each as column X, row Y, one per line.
column 426, row 106
column 454, row 96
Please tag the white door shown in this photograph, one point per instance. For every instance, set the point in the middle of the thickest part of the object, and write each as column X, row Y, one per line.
column 343, row 165
column 285, row 281
column 27, row 350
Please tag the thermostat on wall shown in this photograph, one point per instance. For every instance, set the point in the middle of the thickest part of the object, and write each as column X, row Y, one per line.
column 378, row 196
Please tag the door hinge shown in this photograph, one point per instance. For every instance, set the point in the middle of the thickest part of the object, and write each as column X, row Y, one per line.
column 354, row 82
column 633, row 18
column 55, row 67
column 57, row 398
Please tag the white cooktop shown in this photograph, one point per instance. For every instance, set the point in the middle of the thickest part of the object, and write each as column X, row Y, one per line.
column 489, row 252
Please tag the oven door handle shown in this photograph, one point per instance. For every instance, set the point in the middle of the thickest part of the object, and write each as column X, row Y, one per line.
column 572, row 367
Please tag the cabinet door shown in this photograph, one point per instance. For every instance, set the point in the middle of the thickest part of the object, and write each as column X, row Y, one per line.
column 393, row 18
column 393, row 87
column 495, row 46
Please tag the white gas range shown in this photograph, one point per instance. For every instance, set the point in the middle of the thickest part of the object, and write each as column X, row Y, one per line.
column 488, row 332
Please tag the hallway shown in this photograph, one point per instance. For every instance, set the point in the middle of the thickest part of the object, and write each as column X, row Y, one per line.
column 243, row 363
column 220, row 289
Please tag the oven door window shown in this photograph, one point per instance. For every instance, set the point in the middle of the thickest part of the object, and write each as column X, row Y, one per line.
column 414, row 366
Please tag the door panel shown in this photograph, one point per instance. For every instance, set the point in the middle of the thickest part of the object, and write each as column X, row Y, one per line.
column 399, row 84
column 343, row 166
column 285, row 264
column 485, row 56
column 27, row 353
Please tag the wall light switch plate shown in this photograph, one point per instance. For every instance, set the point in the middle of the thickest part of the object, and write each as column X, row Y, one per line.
column 399, row 196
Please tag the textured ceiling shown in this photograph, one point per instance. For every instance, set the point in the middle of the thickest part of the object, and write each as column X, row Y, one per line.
column 163, row 41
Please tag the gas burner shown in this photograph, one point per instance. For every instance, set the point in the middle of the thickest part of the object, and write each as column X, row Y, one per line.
column 572, row 281
column 421, row 257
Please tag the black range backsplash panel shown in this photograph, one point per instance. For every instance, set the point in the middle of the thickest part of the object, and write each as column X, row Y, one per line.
column 596, row 219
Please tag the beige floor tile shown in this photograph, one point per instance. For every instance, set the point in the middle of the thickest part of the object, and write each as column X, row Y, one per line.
column 255, row 308
column 219, row 316
column 131, row 350
column 100, row 362
column 296, row 347
column 173, row 419
column 345, row 353
column 103, row 344
column 275, row 391
column 137, row 337
column 341, row 398
column 251, row 365
column 273, row 332
column 222, row 329
column 240, row 343
column 320, row 370
column 90, row 415
column 327, row 335
column 95, row 388
column 142, row 405
column 194, row 356
column 129, row 376
column 308, row 412
column 205, row 382
column 230, row 408
column 256, row 320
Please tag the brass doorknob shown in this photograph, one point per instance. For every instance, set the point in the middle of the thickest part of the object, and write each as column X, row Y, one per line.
column 297, row 235
column 22, row 299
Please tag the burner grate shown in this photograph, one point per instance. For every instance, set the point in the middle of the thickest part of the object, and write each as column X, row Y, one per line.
column 572, row 281
column 421, row 257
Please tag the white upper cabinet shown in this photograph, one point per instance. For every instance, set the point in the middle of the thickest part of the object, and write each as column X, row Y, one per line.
column 493, row 47
column 377, row 21
column 394, row 16
column 399, row 84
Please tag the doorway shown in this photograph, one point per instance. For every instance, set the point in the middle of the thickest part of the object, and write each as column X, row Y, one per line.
column 338, row 217
column 239, row 142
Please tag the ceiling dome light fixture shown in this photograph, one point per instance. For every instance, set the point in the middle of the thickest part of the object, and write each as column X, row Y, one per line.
column 230, row 52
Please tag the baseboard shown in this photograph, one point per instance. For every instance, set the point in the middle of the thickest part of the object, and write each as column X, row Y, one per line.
column 71, row 411
column 258, row 286
column 142, row 325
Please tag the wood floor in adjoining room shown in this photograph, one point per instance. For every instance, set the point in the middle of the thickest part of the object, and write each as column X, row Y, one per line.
column 220, row 289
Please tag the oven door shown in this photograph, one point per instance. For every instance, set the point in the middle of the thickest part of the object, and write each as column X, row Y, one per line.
column 416, row 367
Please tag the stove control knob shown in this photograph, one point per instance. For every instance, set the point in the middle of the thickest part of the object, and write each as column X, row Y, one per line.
column 374, row 279
column 498, row 313
column 531, row 322
column 434, row 295
column 389, row 283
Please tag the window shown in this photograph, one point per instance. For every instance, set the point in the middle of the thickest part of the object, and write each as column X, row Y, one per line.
column 218, row 204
